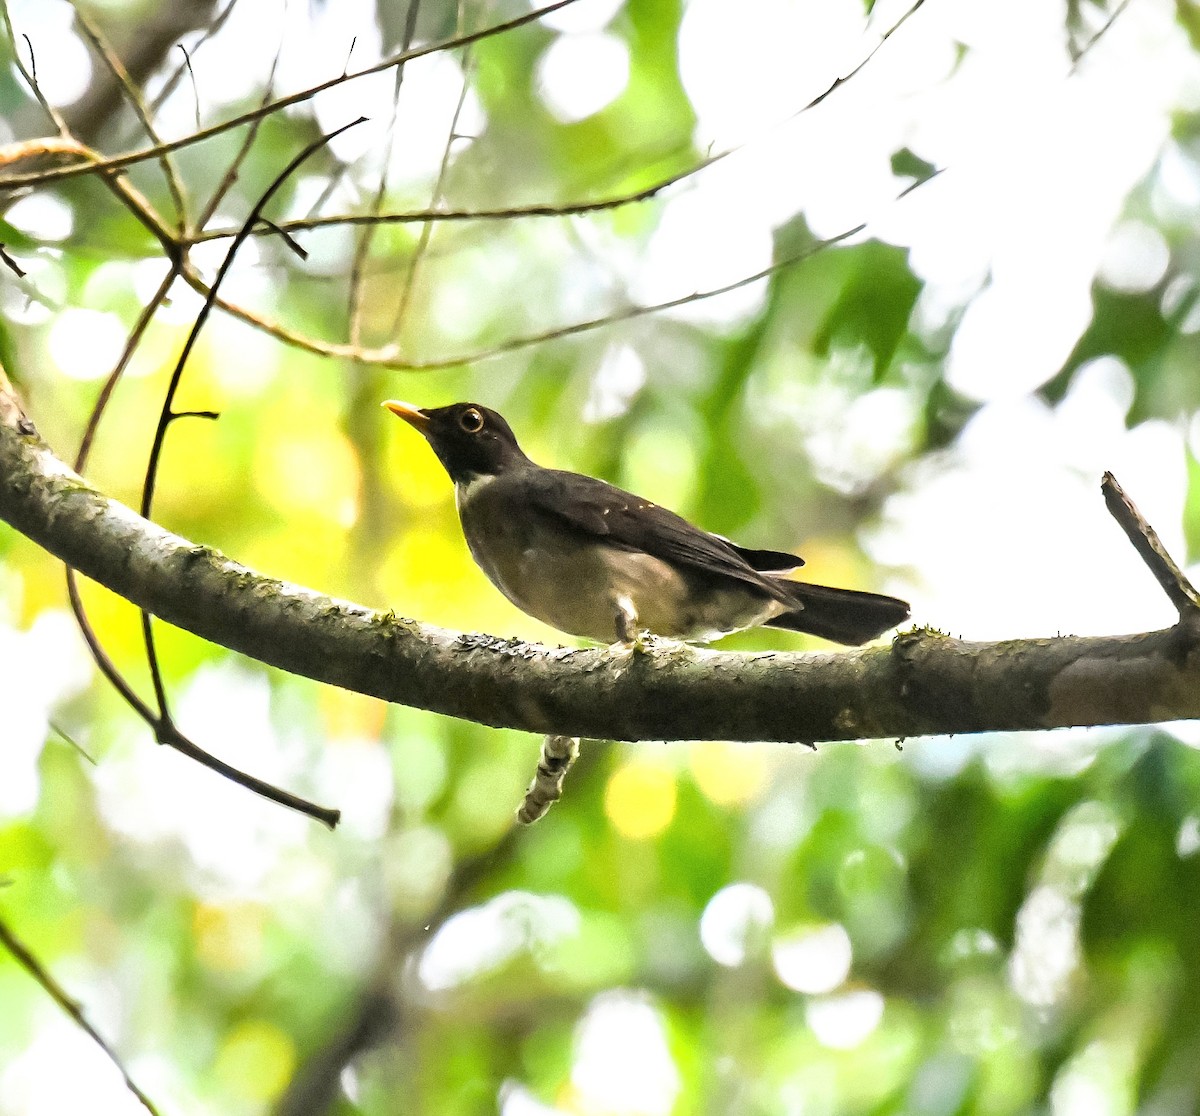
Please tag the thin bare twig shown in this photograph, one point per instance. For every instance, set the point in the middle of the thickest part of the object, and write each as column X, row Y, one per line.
column 1083, row 51
column 11, row 264
column 839, row 82
column 363, row 248
column 187, row 61
column 388, row 356
column 118, row 162
column 62, row 734
column 507, row 213
column 414, row 264
column 30, row 73
column 545, row 209
column 235, row 166
column 165, row 732
column 1146, row 542
column 629, row 313
column 133, row 95
column 177, row 74
column 54, row 990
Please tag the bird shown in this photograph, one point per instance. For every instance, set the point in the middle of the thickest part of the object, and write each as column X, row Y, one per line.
column 595, row 561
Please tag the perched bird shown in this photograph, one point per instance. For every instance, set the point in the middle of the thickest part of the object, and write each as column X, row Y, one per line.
column 590, row 559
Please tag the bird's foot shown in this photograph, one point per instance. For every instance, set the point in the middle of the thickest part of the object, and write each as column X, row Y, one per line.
column 645, row 642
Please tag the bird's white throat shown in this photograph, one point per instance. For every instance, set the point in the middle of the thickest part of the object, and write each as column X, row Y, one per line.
column 466, row 491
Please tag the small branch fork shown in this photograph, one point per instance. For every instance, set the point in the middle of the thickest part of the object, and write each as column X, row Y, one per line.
column 1178, row 588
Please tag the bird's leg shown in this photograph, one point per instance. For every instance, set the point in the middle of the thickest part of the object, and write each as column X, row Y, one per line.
column 626, row 620
column 637, row 641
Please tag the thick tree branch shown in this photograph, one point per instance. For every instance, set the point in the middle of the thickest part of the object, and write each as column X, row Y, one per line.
column 924, row 683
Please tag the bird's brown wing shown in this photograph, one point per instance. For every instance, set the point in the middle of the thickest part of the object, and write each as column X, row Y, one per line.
column 593, row 508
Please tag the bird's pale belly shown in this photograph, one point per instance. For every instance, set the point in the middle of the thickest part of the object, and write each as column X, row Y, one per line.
column 583, row 587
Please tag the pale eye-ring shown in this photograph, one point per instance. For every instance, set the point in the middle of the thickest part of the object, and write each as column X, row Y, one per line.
column 471, row 421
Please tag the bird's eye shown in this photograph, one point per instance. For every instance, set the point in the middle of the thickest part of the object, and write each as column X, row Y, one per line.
column 471, row 421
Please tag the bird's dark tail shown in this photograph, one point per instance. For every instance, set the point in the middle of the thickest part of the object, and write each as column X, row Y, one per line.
column 842, row 615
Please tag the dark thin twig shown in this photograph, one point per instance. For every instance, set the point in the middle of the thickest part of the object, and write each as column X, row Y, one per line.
column 177, row 74
column 165, row 732
column 54, row 990
column 629, row 313
column 166, row 416
column 103, row 662
column 293, row 244
column 214, row 415
column 840, row 81
column 168, row 734
column 30, row 74
column 1150, row 548
column 388, row 356
column 10, row 263
column 187, row 61
column 511, row 213
column 231, row 173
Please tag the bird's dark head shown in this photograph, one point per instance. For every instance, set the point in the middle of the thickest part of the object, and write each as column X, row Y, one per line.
column 470, row 440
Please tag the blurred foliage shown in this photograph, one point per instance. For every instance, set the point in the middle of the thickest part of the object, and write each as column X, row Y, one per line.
column 995, row 925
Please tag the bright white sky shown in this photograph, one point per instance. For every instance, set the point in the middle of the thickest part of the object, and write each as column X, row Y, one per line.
column 1003, row 534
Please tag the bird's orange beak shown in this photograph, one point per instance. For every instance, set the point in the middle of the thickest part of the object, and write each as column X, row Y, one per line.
column 414, row 416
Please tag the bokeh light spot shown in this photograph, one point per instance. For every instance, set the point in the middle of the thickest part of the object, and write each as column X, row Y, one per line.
column 728, row 774
column 256, row 1060
column 579, row 74
column 813, row 959
column 623, row 1066
column 1135, row 258
column 844, row 1021
column 308, row 470
column 85, row 344
column 228, row 936
column 640, row 799
column 735, row 923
